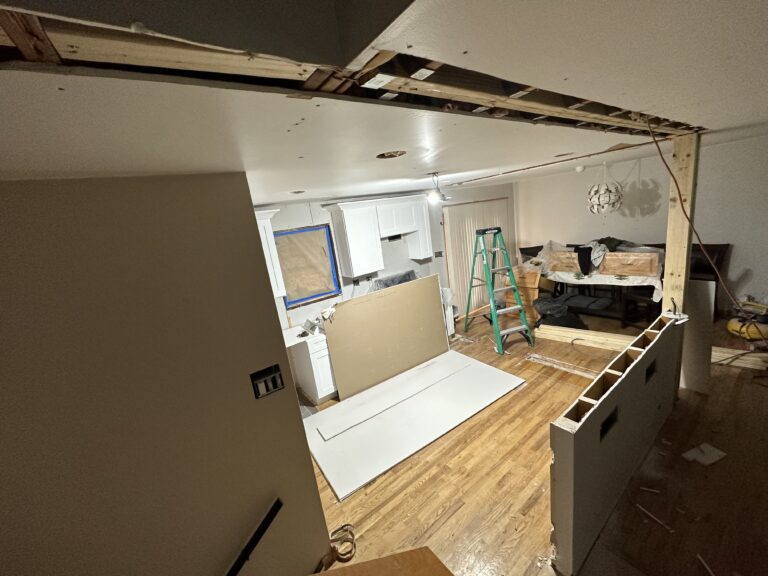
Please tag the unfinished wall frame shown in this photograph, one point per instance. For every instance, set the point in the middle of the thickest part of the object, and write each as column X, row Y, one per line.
column 601, row 439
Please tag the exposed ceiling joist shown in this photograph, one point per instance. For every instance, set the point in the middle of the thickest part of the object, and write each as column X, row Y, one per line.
column 90, row 44
column 27, row 34
column 485, row 93
column 387, row 75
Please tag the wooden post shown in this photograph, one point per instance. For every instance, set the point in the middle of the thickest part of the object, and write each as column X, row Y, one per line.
column 685, row 161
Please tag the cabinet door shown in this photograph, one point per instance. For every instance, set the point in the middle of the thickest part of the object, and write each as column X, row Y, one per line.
column 270, row 255
column 321, row 363
column 396, row 218
column 405, row 216
column 420, row 242
column 387, row 222
column 363, row 240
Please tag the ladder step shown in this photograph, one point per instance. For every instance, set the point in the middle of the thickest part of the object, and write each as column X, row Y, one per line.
column 499, row 269
column 510, row 309
column 513, row 330
column 504, row 289
column 478, row 285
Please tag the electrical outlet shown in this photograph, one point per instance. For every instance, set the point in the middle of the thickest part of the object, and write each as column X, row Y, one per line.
column 267, row 381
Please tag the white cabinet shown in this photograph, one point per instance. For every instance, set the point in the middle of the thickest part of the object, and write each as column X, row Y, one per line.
column 312, row 368
column 356, row 230
column 359, row 227
column 420, row 241
column 396, row 216
column 264, row 220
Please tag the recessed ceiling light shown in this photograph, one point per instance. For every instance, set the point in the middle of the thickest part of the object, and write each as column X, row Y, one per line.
column 298, row 191
column 390, row 154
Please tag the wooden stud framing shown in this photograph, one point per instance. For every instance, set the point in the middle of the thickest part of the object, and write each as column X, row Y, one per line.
column 28, row 35
column 385, row 75
column 678, row 257
column 453, row 88
column 91, row 44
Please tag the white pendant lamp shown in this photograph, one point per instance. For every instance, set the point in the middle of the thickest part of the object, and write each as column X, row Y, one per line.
column 604, row 198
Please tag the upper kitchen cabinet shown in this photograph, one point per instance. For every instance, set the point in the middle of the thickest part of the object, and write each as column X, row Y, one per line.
column 264, row 220
column 420, row 241
column 396, row 216
column 358, row 242
column 360, row 226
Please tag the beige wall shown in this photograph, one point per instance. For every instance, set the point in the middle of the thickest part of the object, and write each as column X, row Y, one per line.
column 731, row 205
column 133, row 312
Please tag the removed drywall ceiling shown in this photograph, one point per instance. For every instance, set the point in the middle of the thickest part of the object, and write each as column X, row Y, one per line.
column 678, row 63
column 374, row 337
column 318, row 31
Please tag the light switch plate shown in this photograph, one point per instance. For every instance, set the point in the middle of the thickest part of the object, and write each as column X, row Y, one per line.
column 266, row 381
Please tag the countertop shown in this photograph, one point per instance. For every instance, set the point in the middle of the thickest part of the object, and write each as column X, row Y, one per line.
column 291, row 336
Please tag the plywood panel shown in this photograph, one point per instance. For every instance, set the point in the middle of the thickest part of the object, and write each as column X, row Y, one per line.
column 624, row 263
column 379, row 335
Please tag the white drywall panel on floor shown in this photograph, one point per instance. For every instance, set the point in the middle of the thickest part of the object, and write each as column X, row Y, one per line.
column 402, row 427
column 131, row 442
column 603, row 437
column 400, row 388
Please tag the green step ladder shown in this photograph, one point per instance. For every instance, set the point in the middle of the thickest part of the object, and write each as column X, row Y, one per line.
column 491, row 271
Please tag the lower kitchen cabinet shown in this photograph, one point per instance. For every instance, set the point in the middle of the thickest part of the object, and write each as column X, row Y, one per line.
column 312, row 368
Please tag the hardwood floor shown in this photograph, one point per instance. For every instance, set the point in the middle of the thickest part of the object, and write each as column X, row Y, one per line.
column 479, row 495
column 719, row 512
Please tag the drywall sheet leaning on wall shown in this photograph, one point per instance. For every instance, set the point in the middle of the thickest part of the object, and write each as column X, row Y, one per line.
column 355, row 441
column 376, row 336
column 603, row 437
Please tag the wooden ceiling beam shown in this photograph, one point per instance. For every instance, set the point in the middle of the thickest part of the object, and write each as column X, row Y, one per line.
column 446, row 87
column 317, row 79
column 384, row 75
column 28, row 35
column 101, row 45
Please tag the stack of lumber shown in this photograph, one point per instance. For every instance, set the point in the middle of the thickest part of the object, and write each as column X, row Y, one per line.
column 617, row 342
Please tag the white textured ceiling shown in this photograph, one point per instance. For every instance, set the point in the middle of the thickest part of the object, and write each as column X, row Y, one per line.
column 76, row 126
column 703, row 62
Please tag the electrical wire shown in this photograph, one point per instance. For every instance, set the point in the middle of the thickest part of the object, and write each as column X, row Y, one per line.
column 750, row 318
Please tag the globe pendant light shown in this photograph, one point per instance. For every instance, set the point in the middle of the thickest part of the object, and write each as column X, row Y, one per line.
column 605, row 197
